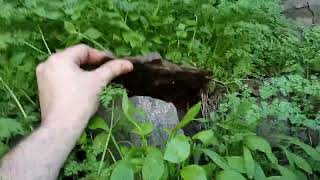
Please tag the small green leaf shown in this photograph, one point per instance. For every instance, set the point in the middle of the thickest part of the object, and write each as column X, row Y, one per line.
column 216, row 158
column 83, row 138
column 69, row 27
column 193, row 172
column 254, row 142
column 249, row 163
column 229, row 175
column 122, row 172
column 98, row 123
column 145, row 129
column 153, row 166
column 100, row 140
column 207, row 137
column 190, row 115
column 92, row 33
column 178, row 149
column 236, row 163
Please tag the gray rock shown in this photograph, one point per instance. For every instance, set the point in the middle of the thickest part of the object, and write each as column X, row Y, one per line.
column 305, row 11
column 161, row 114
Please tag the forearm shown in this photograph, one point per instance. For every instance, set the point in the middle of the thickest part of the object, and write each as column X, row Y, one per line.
column 42, row 154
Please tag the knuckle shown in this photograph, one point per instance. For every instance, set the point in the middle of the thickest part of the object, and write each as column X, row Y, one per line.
column 82, row 46
column 54, row 57
column 40, row 69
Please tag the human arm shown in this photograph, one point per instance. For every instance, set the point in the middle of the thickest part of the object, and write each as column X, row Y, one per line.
column 68, row 98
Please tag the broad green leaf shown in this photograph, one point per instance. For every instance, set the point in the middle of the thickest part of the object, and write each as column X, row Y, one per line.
column 301, row 162
column 190, row 115
column 249, row 163
column 254, row 142
column 229, row 175
column 287, row 173
column 193, row 172
column 135, row 39
column 308, row 149
column 92, row 33
column 207, row 137
column 216, row 158
column 259, row 174
column 278, row 178
column 69, row 27
column 236, row 163
column 153, row 166
column 145, row 129
column 122, row 172
column 98, row 123
column 289, row 157
column 177, row 150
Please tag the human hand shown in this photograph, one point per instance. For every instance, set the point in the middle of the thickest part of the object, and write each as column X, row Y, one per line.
column 69, row 94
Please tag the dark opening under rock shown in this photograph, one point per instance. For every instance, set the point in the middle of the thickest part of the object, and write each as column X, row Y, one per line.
column 153, row 76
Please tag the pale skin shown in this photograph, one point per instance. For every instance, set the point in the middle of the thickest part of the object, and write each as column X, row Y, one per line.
column 68, row 97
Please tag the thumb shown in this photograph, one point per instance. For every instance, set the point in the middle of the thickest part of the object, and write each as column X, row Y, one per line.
column 112, row 69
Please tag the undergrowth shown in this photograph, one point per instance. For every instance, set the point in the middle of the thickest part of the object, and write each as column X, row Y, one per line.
column 266, row 127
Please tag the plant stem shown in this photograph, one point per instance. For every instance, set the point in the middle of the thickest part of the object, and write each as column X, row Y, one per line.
column 14, row 97
column 107, row 141
column 44, row 40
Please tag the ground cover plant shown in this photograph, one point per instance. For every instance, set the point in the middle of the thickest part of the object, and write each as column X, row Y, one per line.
column 265, row 126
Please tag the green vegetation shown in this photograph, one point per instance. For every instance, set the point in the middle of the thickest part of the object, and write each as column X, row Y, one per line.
column 268, row 67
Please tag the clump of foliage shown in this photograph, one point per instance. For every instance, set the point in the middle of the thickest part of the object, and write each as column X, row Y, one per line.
column 236, row 40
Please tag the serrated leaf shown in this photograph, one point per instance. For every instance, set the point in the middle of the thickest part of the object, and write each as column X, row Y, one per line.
column 122, row 172
column 153, row 166
column 9, row 127
column 135, row 39
column 69, row 27
column 177, row 149
column 216, row 158
column 92, row 33
column 249, row 163
column 193, row 172
column 229, row 175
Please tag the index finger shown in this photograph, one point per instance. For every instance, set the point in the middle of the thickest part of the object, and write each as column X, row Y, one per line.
column 83, row 54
